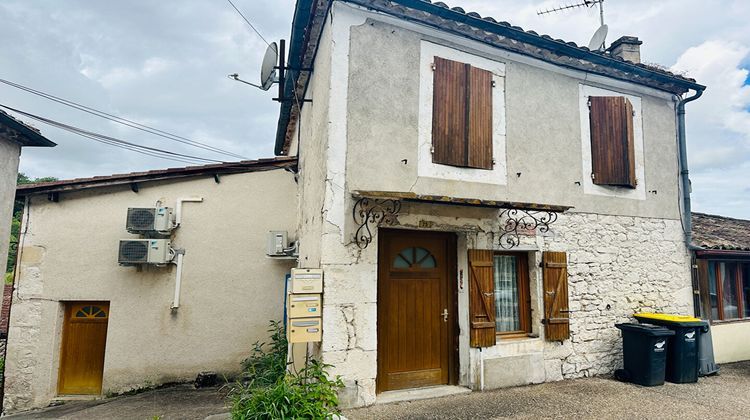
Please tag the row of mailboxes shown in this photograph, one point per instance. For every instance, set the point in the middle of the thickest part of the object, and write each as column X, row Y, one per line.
column 305, row 306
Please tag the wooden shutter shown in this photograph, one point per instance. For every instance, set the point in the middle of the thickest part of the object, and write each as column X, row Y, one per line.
column 612, row 141
column 481, row 298
column 556, row 322
column 449, row 112
column 461, row 115
column 480, row 119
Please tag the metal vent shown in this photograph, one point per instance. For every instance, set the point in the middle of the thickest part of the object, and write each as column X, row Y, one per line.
column 141, row 218
column 133, row 251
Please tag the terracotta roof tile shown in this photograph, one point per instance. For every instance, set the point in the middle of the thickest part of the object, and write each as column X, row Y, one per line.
column 719, row 232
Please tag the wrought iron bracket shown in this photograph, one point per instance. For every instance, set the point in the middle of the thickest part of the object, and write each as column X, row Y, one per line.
column 515, row 223
column 369, row 214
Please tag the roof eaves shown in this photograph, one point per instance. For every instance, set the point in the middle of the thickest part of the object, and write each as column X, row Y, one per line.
column 156, row 175
column 22, row 133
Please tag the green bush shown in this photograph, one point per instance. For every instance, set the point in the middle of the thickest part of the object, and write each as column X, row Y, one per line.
column 269, row 392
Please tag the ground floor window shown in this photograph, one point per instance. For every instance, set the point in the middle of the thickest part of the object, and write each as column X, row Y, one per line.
column 728, row 290
column 512, row 297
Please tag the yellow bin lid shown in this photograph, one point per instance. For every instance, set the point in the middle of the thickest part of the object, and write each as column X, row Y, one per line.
column 666, row 317
column 670, row 320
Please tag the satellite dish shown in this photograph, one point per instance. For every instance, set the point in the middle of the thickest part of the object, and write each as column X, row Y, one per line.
column 268, row 69
column 597, row 41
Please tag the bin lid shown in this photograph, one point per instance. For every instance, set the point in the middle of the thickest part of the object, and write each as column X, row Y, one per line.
column 669, row 320
column 645, row 329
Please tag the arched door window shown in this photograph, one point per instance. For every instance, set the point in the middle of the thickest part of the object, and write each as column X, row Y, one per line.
column 91, row 311
column 414, row 257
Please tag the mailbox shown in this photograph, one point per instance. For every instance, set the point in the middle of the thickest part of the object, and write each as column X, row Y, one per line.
column 304, row 306
column 305, row 330
column 307, row 280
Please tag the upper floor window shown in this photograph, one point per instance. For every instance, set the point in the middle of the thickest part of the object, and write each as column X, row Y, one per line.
column 462, row 115
column 612, row 141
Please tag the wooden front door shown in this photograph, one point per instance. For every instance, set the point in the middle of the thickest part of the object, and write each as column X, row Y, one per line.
column 82, row 354
column 416, row 309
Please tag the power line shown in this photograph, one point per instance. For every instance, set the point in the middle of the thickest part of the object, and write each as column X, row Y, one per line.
column 248, row 22
column 101, row 138
column 123, row 121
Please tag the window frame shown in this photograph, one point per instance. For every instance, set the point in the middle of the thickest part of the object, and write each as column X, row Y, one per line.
column 524, row 295
column 738, row 279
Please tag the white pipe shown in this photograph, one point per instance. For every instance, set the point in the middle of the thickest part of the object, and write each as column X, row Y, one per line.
column 481, row 370
column 178, row 282
column 178, row 207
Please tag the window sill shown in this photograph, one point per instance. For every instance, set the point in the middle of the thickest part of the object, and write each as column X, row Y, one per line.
column 730, row 321
column 515, row 338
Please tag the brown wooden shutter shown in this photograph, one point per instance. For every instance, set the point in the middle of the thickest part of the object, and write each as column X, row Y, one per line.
column 449, row 112
column 481, row 298
column 461, row 115
column 480, row 119
column 612, row 141
column 556, row 322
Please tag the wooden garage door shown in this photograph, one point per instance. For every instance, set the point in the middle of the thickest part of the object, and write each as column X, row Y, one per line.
column 416, row 311
column 82, row 353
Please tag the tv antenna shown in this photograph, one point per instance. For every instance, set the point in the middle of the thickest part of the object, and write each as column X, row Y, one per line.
column 597, row 42
column 271, row 72
column 584, row 3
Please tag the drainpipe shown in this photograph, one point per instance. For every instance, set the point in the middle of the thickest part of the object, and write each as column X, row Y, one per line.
column 684, row 173
column 687, row 210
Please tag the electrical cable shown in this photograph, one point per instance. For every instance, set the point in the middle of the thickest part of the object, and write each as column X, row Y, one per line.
column 248, row 22
column 152, row 151
column 121, row 120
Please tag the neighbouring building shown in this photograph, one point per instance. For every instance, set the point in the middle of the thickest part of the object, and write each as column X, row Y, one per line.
column 722, row 268
column 82, row 324
column 14, row 135
column 485, row 202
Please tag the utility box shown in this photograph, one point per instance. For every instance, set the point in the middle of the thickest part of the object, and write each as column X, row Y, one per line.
column 147, row 220
column 277, row 243
column 304, row 306
column 305, row 330
column 307, row 280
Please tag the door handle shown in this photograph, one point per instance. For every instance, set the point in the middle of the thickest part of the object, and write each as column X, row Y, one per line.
column 445, row 315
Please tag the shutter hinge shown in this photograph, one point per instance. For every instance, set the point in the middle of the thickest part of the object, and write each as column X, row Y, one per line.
column 493, row 161
column 633, row 112
column 593, row 176
column 494, row 84
column 432, row 66
column 636, row 182
column 432, row 150
column 588, row 102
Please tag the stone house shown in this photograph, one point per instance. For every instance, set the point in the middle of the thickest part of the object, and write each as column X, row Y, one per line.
column 485, row 202
column 81, row 324
column 722, row 273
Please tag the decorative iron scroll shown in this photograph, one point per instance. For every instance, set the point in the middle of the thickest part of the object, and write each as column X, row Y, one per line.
column 518, row 222
column 369, row 213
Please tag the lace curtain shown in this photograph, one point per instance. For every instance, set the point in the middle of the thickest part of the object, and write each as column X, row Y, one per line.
column 506, row 294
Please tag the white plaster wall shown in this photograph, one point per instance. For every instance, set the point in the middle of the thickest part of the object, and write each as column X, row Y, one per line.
column 230, row 289
column 9, row 155
column 731, row 342
column 544, row 132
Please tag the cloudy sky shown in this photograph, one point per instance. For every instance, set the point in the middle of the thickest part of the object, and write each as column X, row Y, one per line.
column 164, row 64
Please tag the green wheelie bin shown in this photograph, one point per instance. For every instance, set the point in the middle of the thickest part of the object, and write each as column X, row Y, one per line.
column 682, row 358
column 644, row 353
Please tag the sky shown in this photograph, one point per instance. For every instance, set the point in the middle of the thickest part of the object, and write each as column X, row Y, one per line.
column 165, row 64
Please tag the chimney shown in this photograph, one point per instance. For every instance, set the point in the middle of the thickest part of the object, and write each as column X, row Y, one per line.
column 628, row 48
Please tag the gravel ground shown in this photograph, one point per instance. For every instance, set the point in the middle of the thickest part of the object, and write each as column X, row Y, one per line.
column 182, row 402
column 724, row 396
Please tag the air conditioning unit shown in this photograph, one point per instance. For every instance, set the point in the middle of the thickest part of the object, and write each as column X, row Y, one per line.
column 277, row 243
column 149, row 220
column 145, row 251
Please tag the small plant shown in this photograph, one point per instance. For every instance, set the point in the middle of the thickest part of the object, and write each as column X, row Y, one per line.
column 269, row 392
column 267, row 362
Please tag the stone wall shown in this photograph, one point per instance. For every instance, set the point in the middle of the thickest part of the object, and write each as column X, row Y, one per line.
column 618, row 265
